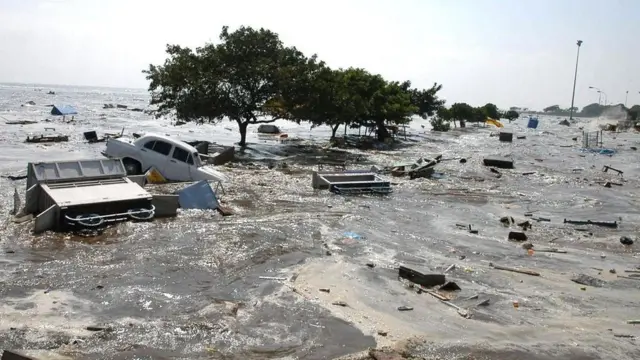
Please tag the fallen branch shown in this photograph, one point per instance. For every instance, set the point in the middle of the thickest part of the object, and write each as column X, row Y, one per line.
column 521, row 271
column 462, row 312
column 628, row 277
column 271, row 278
column 552, row 250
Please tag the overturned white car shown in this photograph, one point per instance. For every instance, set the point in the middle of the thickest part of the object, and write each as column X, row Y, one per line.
column 174, row 159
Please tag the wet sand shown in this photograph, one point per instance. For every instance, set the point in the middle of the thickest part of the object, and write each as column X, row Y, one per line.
column 190, row 287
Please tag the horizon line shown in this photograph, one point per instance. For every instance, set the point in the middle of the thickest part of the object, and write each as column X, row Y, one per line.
column 69, row 85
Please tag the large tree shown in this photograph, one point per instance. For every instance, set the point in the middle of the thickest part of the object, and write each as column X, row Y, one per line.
column 250, row 77
column 425, row 100
column 511, row 115
column 592, row 110
column 461, row 112
column 633, row 112
column 491, row 110
column 334, row 98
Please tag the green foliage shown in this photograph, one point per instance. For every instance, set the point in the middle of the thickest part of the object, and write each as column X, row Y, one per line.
column 633, row 113
column 439, row 124
column 444, row 114
column 491, row 111
column 592, row 110
column 426, row 101
column 511, row 115
column 250, row 77
column 462, row 112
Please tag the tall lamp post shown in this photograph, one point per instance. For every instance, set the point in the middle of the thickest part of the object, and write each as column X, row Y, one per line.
column 606, row 98
column 599, row 93
column 626, row 96
column 575, row 77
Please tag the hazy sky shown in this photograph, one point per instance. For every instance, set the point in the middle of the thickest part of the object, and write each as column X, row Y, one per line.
column 509, row 52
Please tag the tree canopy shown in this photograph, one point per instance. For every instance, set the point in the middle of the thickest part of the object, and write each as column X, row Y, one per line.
column 552, row 108
column 491, row 111
column 251, row 77
column 511, row 115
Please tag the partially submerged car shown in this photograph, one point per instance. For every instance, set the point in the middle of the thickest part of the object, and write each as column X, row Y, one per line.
column 174, row 159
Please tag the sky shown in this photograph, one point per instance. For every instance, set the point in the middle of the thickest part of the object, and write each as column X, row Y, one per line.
column 508, row 52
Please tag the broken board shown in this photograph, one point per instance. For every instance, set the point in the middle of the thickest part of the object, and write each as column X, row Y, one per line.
column 426, row 280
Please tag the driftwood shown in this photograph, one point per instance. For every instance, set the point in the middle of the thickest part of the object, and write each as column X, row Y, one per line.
column 628, row 277
column 462, row 312
column 521, row 271
column 611, row 224
column 552, row 250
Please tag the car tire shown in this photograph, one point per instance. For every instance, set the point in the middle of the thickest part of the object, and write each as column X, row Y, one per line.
column 132, row 167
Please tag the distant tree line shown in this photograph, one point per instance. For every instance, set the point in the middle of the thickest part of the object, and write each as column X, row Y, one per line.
column 463, row 113
column 251, row 77
column 592, row 110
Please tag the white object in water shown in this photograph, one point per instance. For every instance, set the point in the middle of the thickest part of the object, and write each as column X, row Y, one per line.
column 16, row 202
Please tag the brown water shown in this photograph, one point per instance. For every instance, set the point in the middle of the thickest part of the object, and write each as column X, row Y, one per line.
column 189, row 288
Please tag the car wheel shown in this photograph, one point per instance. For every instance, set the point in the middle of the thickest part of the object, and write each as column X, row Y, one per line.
column 132, row 167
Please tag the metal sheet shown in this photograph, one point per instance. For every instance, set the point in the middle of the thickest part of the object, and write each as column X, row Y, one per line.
column 198, row 196
column 166, row 205
column 77, row 170
column 46, row 220
column 31, row 199
column 82, row 195
column 139, row 179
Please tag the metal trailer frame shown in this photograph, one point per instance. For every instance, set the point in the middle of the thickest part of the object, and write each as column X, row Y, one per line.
column 351, row 182
column 78, row 194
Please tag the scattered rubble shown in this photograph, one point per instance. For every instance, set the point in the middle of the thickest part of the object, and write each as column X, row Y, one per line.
column 584, row 279
column 350, row 182
column 47, row 138
column 499, row 162
column 426, row 280
column 606, row 168
column 21, row 122
column 92, row 136
column 405, row 308
column 625, row 240
column 517, row 236
column 505, row 136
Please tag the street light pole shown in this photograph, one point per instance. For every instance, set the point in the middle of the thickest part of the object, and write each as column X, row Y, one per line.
column 599, row 93
column 625, row 98
column 575, row 77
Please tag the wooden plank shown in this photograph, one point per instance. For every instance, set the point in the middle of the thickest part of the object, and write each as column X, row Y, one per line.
column 521, row 271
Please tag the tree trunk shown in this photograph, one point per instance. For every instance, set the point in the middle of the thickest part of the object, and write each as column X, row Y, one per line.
column 382, row 132
column 334, row 129
column 242, row 125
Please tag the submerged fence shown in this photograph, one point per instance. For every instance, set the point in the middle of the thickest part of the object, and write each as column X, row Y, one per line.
column 591, row 139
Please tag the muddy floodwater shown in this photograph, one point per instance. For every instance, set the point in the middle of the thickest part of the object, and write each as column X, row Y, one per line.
column 191, row 287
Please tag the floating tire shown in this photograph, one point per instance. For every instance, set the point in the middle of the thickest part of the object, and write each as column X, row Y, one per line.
column 141, row 214
column 88, row 220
